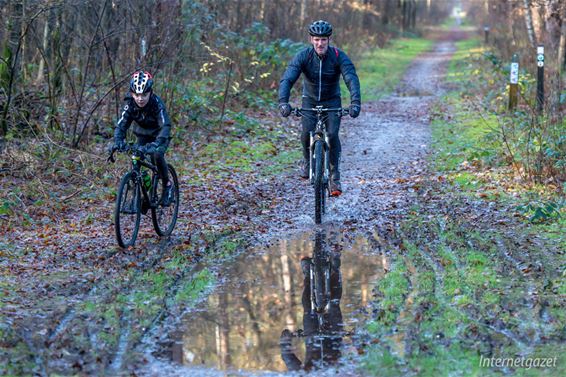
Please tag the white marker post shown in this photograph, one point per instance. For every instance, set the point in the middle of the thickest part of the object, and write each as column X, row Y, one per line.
column 513, row 82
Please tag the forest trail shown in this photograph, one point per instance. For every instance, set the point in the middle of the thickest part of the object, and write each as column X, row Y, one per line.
column 384, row 159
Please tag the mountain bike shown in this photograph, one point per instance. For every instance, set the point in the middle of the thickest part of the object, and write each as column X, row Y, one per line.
column 319, row 173
column 139, row 192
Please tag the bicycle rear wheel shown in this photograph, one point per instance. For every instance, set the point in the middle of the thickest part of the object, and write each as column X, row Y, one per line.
column 127, row 211
column 165, row 218
column 318, row 181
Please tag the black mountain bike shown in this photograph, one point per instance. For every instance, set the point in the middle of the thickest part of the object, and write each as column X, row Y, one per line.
column 139, row 192
column 319, row 174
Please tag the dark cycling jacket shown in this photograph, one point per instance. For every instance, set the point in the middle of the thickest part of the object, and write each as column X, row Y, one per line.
column 321, row 76
column 150, row 120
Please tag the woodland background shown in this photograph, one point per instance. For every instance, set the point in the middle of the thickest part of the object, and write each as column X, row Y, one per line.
column 64, row 65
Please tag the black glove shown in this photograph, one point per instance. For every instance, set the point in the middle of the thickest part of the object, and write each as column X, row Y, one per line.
column 151, row 148
column 285, row 109
column 119, row 145
column 354, row 110
column 155, row 147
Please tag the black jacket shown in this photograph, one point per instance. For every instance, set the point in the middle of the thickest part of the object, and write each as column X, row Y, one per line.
column 321, row 81
column 150, row 120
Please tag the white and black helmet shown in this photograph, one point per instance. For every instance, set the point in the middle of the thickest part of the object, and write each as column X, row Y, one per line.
column 320, row 28
column 141, row 82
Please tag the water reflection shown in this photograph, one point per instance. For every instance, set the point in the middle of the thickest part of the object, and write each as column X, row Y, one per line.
column 263, row 293
column 323, row 328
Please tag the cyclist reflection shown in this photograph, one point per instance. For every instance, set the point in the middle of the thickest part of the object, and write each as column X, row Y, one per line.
column 322, row 317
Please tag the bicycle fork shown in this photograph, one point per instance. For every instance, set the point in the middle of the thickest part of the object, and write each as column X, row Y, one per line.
column 314, row 137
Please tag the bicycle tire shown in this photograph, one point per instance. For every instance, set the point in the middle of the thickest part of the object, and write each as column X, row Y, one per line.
column 127, row 212
column 165, row 218
column 318, row 181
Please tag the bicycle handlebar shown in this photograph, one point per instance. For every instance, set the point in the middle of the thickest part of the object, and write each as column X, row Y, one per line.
column 130, row 147
column 298, row 111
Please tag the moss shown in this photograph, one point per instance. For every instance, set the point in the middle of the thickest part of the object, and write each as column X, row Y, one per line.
column 193, row 288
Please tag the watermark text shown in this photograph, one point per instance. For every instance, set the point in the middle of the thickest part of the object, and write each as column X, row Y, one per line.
column 518, row 362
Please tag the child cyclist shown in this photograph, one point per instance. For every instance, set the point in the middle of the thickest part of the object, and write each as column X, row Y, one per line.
column 151, row 126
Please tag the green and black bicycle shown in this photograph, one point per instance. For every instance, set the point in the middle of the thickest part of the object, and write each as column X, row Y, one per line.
column 139, row 192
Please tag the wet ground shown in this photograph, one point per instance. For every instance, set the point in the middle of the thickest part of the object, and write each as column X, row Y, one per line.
column 262, row 293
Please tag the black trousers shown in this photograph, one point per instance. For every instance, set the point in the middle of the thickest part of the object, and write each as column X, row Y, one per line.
column 157, row 158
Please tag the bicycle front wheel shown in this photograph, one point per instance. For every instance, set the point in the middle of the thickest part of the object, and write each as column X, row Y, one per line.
column 320, row 286
column 318, row 181
column 165, row 217
column 127, row 211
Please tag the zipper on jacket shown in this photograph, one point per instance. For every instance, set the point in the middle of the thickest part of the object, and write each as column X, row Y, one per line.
column 319, row 78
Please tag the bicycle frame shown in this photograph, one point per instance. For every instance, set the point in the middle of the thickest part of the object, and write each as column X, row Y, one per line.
column 320, row 134
column 138, row 160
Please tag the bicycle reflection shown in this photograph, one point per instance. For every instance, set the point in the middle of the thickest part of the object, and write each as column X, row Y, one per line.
column 323, row 328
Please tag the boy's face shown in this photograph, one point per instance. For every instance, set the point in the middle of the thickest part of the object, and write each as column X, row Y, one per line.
column 141, row 99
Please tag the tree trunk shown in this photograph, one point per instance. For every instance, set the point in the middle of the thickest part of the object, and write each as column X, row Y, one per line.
column 11, row 65
column 45, row 41
column 413, row 16
column 529, row 22
column 562, row 46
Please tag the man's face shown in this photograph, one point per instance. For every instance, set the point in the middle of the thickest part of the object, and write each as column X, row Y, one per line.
column 320, row 44
column 141, row 99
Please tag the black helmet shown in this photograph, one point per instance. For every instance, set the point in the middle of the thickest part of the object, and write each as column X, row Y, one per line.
column 320, row 28
column 141, row 82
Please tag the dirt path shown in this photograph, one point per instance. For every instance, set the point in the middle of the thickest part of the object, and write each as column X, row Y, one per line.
column 384, row 159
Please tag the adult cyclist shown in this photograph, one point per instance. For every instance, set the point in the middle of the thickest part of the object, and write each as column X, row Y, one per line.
column 321, row 66
column 152, row 126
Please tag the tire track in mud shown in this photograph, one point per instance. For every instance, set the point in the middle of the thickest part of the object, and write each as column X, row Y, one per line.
column 68, row 318
column 103, row 291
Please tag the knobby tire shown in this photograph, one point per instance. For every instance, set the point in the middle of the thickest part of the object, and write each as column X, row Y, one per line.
column 127, row 212
column 318, row 181
column 165, row 218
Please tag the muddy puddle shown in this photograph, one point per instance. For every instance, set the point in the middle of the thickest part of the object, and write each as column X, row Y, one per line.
column 261, row 318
